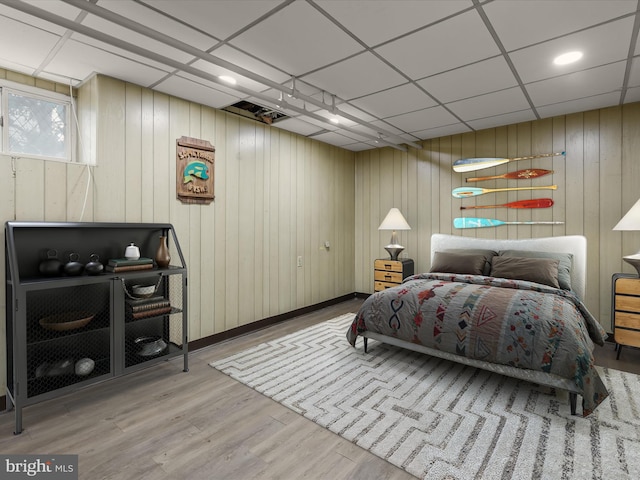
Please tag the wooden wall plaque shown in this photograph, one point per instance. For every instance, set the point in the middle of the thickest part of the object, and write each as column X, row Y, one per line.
column 195, row 162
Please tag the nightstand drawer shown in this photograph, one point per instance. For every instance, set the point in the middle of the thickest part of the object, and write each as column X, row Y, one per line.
column 627, row 337
column 628, row 304
column 378, row 286
column 628, row 320
column 628, row 286
column 388, row 265
column 382, row 276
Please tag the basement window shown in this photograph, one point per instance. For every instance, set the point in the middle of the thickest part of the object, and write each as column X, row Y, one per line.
column 35, row 123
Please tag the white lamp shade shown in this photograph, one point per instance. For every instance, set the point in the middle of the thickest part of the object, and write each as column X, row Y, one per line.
column 631, row 221
column 394, row 221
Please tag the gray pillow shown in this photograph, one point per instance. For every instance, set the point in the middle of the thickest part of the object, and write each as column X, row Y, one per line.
column 487, row 254
column 463, row 263
column 539, row 270
column 564, row 267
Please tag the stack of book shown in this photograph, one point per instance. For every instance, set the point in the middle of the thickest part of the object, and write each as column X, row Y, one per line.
column 125, row 265
column 147, row 307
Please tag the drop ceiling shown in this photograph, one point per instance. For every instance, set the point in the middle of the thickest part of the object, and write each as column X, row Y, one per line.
column 391, row 72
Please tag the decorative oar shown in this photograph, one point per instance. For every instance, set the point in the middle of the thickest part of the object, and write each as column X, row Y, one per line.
column 471, row 164
column 533, row 203
column 517, row 175
column 463, row 192
column 472, row 222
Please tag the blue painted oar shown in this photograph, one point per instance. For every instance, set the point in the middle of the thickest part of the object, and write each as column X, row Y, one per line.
column 471, row 164
column 473, row 222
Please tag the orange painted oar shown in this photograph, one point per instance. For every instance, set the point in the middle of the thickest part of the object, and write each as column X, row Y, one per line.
column 533, row 203
column 517, row 175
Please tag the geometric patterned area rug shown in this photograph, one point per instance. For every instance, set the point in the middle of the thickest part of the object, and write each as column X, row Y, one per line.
column 437, row 419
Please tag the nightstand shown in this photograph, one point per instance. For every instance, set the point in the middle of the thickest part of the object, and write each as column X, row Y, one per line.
column 625, row 310
column 390, row 273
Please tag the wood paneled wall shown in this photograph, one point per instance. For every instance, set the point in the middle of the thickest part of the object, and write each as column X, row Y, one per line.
column 597, row 183
column 278, row 196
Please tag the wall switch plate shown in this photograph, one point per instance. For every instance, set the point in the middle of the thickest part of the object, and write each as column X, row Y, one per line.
column 299, row 260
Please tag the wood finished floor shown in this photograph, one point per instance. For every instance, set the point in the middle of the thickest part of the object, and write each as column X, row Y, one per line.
column 161, row 423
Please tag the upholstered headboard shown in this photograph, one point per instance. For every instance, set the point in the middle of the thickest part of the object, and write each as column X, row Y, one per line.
column 574, row 244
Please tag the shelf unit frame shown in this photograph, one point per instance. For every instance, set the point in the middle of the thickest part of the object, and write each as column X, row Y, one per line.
column 25, row 247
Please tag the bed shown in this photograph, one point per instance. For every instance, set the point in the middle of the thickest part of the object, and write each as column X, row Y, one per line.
column 508, row 306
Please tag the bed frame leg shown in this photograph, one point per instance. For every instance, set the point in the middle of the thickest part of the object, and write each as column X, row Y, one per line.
column 365, row 339
column 573, row 400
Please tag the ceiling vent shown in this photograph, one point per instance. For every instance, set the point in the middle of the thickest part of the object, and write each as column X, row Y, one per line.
column 256, row 112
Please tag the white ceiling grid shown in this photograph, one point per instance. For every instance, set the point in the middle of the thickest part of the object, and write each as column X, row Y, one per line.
column 396, row 71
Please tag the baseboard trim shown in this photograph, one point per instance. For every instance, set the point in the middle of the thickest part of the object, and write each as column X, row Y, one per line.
column 266, row 322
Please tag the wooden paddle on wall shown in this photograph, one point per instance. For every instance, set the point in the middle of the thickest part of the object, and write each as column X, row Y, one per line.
column 463, row 192
column 471, row 164
column 517, row 175
column 473, row 222
column 533, row 203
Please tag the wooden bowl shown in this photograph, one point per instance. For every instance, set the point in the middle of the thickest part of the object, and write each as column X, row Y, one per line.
column 66, row 321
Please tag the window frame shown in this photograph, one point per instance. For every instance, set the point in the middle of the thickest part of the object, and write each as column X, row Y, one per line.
column 7, row 87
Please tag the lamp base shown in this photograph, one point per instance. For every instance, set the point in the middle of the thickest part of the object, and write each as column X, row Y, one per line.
column 634, row 261
column 394, row 250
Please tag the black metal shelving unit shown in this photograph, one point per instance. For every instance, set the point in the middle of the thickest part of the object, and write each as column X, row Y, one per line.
column 44, row 363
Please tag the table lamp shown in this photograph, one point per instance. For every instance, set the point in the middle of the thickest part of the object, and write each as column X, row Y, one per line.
column 394, row 221
column 630, row 222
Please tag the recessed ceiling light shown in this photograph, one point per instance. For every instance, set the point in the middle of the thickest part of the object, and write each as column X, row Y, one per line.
column 335, row 120
column 567, row 58
column 227, row 79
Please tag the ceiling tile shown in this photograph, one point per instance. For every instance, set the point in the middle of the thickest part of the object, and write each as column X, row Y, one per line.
column 252, row 64
column 491, row 104
column 634, row 73
column 422, row 119
column 475, row 79
column 298, row 39
column 394, row 101
column 356, row 76
column 79, row 60
column 298, row 126
column 221, row 18
column 136, row 39
column 576, row 85
column 443, row 131
column 33, row 47
column 377, row 22
column 633, row 95
column 58, row 8
column 601, row 45
column 549, row 19
column 359, row 147
column 222, row 87
column 505, row 119
column 579, row 105
column 217, row 71
column 150, row 18
column 422, row 54
column 333, row 138
column 356, row 112
column 195, row 92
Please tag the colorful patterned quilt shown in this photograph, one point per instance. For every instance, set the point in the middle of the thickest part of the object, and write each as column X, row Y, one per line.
column 510, row 322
